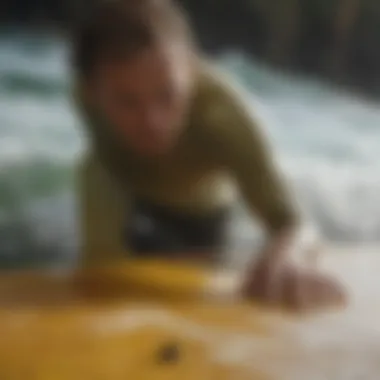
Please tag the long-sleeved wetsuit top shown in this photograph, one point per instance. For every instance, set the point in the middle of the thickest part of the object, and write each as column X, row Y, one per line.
column 222, row 146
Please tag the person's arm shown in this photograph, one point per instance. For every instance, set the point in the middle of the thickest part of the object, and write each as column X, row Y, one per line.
column 102, row 211
column 246, row 153
column 274, row 278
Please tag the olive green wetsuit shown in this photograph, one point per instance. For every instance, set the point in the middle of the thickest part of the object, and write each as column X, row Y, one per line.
column 222, row 146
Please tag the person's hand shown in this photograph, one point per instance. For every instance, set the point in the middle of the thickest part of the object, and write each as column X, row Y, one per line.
column 280, row 283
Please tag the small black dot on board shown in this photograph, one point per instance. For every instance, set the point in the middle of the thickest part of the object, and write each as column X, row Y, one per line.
column 169, row 353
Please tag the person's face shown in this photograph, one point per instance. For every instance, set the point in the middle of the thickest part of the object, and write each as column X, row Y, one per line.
column 145, row 97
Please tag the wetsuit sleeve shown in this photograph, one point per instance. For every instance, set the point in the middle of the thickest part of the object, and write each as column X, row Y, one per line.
column 102, row 211
column 245, row 151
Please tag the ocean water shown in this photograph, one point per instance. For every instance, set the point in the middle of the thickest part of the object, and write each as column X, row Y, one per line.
column 327, row 141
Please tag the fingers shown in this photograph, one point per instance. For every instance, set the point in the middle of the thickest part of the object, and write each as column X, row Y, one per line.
column 265, row 285
column 295, row 289
column 294, row 295
column 328, row 291
column 272, row 287
column 319, row 291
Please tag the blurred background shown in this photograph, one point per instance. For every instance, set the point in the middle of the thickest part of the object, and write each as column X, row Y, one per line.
column 312, row 65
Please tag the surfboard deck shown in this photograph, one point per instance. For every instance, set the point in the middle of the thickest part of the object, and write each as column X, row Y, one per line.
column 154, row 320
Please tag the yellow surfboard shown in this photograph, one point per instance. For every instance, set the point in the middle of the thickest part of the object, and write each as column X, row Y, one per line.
column 156, row 320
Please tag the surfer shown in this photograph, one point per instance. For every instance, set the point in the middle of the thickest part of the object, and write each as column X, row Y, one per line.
column 170, row 137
